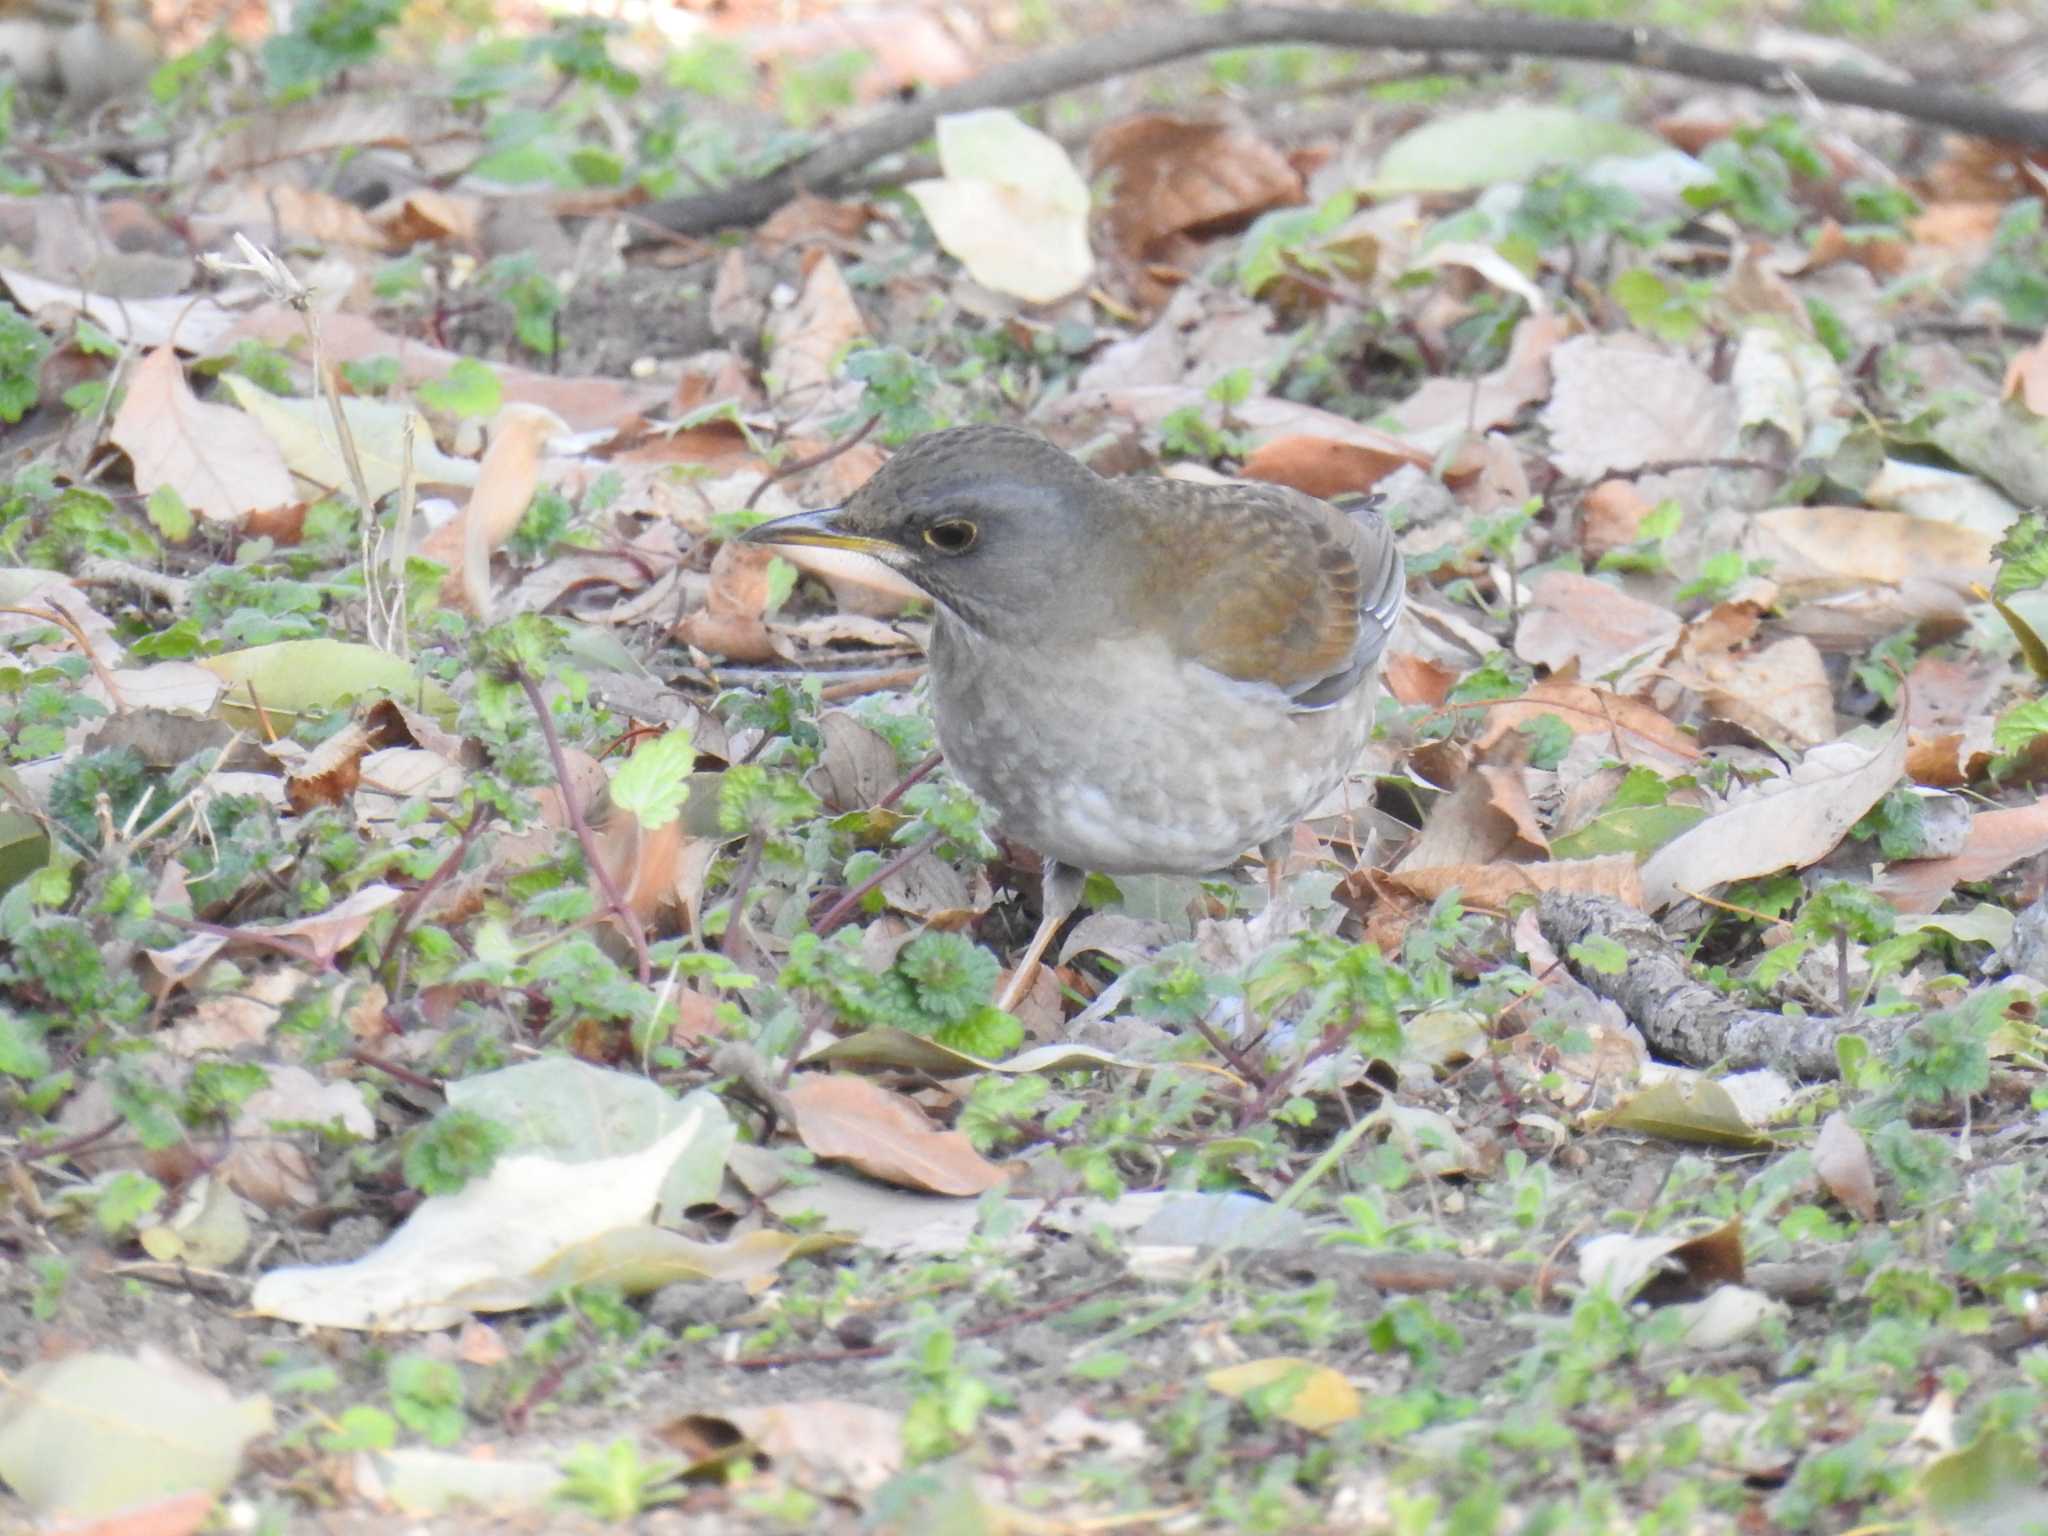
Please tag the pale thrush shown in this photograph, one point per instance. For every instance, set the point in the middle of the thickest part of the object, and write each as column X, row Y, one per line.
column 1137, row 675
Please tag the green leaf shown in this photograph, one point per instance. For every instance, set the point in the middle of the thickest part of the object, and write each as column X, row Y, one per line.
column 1601, row 955
column 987, row 1032
column 22, row 1052
column 655, row 780
column 1631, row 829
column 1461, row 151
column 22, row 350
column 124, row 1198
column 169, row 515
column 952, row 977
column 469, row 388
column 1549, row 739
column 2018, row 726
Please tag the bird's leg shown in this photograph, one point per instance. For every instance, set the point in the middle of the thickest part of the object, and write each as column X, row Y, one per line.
column 1060, row 888
column 1274, row 851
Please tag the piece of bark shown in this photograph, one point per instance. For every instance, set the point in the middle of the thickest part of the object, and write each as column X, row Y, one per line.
column 1685, row 1020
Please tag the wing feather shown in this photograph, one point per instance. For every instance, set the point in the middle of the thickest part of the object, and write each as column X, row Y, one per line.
column 1284, row 590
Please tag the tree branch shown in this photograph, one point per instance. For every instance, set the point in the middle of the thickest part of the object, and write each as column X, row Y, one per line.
column 1494, row 34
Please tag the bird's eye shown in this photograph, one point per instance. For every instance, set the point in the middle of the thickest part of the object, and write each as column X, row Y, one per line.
column 955, row 536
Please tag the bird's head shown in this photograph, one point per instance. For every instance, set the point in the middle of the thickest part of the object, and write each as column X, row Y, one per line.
column 994, row 522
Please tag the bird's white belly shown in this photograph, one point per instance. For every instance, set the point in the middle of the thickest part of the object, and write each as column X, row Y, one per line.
column 1125, row 761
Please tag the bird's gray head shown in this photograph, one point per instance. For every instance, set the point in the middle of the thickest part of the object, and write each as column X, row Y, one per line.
column 996, row 523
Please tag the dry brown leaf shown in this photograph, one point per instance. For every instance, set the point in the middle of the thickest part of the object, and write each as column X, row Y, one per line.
column 1573, row 619
column 586, row 403
column 1325, row 467
column 807, row 341
column 1262, row 418
column 886, row 1136
column 1494, row 885
column 1508, row 793
column 264, row 1163
column 826, row 1444
column 504, row 485
column 1956, row 226
column 221, row 463
column 1998, row 840
column 1610, row 515
column 427, row 214
column 1938, row 761
column 328, row 774
column 642, row 864
column 1796, row 826
column 807, row 219
column 905, row 47
column 1881, row 255
column 1756, row 287
column 1617, row 404
column 1443, row 409
column 1416, row 680
column 1819, row 551
column 1636, row 729
column 2027, row 376
column 1467, row 828
column 323, row 219
column 1496, row 481
column 325, row 934
column 730, row 624
column 1842, row 1163
column 192, row 324
column 238, row 1020
column 1173, row 175
column 1779, row 694
column 333, row 125
column 1724, row 628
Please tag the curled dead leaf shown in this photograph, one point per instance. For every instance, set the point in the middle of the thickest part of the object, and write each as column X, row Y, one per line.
column 885, row 1136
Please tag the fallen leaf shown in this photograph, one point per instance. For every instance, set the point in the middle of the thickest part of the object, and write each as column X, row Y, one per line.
column 1443, row 410
column 1623, row 1264
column 806, row 343
column 505, row 482
column 192, row 323
column 1173, row 175
column 219, row 461
column 1573, row 619
column 1787, row 825
column 93, row 1433
column 1842, row 1163
column 1463, row 150
column 1998, row 840
column 520, row 1216
column 1305, row 1394
column 1636, row 732
column 1819, row 551
column 826, row 1444
column 1616, row 403
column 1779, row 694
column 886, row 1136
column 1495, row 885
column 1325, row 467
column 1010, row 206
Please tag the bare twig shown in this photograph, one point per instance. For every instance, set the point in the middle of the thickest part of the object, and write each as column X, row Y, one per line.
column 811, row 461
column 410, row 908
column 871, row 682
column 742, row 888
column 615, row 901
column 1491, row 34
column 842, row 909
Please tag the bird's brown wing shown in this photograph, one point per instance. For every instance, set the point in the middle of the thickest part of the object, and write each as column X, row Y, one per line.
column 1277, row 587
